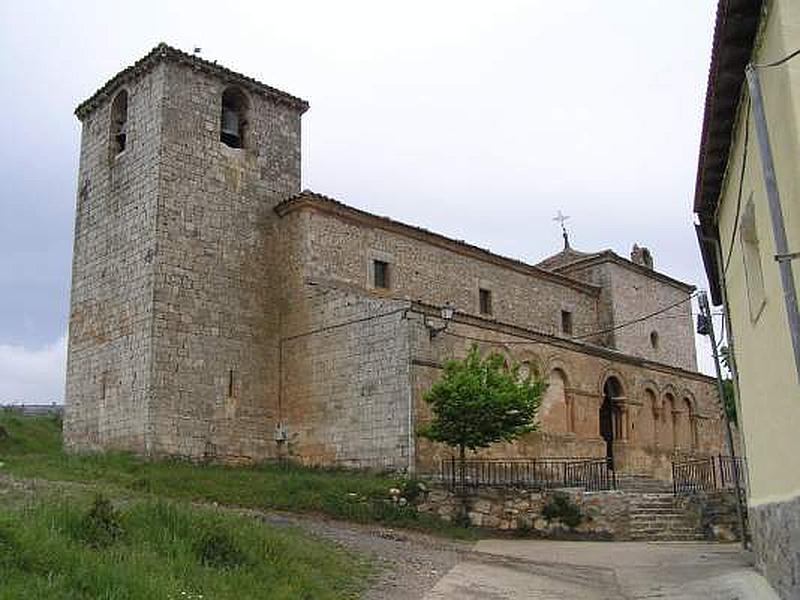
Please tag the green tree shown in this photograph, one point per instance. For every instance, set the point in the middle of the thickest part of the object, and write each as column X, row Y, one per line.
column 728, row 399
column 480, row 401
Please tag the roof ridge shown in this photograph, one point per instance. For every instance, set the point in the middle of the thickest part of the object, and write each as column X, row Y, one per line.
column 164, row 51
column 286, row 205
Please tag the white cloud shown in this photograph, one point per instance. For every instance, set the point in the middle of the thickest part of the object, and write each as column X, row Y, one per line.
column 33, row 375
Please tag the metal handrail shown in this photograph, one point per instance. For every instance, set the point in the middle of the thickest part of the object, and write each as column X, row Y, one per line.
column 708, row 474
column 530, row 473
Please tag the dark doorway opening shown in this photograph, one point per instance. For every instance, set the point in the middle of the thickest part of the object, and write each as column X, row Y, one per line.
column 608, row 415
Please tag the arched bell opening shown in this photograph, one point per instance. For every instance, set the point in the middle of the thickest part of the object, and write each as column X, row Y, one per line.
column 233, row 118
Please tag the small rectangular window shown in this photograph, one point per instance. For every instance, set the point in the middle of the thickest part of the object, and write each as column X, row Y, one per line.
column 566, row 322
column 380, row 274
column 485, row 301
column 754, row 276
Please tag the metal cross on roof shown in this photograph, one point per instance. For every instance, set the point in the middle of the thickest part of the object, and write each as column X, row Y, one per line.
column 561, row 218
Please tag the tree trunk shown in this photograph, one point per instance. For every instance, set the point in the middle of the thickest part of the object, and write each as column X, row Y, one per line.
column 462, row 467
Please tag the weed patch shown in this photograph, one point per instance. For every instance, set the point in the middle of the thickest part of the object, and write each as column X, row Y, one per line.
column 168, row 551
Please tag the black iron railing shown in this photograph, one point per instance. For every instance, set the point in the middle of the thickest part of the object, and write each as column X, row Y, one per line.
column 709, row 474
column 531, row 473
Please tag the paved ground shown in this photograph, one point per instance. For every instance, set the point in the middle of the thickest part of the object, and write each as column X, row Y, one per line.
column 516, row 569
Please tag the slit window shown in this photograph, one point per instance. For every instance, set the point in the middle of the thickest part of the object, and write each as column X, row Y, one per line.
column 566, row 322
column 485, row 301
column 654, row 341
column 380, row 274
column 233, row 118
column 119, row 123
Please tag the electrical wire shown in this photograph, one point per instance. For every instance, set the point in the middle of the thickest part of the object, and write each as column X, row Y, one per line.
column 776, row 63
column 580, row 337
column 741, row 187
column 637, row 320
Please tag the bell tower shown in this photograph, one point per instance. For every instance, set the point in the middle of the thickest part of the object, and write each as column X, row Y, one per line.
column 173, row 320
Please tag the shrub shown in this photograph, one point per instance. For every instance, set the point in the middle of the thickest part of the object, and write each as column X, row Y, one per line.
column 560, row 508
column 413, row 490
column 218, row 549
column 101, row 526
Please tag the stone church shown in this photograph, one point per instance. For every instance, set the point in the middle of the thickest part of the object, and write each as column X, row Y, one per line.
column 219, row 312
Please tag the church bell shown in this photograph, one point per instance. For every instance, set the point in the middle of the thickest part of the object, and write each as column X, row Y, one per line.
column 230, row 125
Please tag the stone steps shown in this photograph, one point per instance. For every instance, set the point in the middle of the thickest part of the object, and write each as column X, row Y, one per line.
column 654, row 515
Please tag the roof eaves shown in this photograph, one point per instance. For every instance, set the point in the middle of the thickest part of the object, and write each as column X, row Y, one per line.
column 308, row 198
column 735, row 32
column 164, row 52
column 611, row 256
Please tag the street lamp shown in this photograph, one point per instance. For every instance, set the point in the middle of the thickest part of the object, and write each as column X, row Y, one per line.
column 446, row 313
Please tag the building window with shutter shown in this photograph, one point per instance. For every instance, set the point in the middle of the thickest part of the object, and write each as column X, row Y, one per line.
column 485, row 301
column 380, row 274
column 566, row 322
column 754, row 276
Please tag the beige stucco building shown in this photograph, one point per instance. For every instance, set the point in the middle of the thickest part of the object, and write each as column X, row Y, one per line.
column 220, row 312
column 740, row 248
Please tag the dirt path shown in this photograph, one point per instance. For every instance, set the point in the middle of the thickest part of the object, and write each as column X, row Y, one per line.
column 410, row 564
column 415, row 566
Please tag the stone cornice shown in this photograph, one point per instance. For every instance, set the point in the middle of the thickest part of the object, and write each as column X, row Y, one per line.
column 576, row 346
column 164, row 53
column 611, row 256
column 311, row 201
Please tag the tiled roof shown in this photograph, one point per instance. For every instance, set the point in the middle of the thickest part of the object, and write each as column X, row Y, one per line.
column 309, row 198
column 163, row 52
column 567, row 256
column 611, row 256
column 734, row 38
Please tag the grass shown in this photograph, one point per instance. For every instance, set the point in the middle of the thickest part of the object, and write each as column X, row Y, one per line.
column 32, row 448
column 161, row 549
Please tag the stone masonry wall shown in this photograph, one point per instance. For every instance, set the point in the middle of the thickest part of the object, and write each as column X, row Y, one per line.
column 651, row 434
column 627, row 295
column 218, row 272
column 107, row 396
column 346, row 394
column 344, row 251
column 775, row 528
column 605, row 515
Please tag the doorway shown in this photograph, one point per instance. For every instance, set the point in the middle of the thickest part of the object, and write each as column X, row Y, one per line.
column 609, row 418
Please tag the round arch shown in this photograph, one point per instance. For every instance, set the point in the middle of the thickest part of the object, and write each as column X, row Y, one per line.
column 612, row 425
column 234, row 117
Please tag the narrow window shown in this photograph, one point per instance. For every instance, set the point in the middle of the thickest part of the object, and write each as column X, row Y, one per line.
column 233, row 118
column 380, row 274
column 485, row 301
column 751, row 252
column 119, row 123
column 230, row 383
column 566, row 322
column 654, row 339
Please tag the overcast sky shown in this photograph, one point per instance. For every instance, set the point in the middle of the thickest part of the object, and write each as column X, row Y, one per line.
column 479, row 120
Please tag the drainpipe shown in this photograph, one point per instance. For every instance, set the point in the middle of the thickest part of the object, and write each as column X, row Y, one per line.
column 782, row 254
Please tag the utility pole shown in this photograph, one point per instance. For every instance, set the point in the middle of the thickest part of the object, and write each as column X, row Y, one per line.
column 705, row 326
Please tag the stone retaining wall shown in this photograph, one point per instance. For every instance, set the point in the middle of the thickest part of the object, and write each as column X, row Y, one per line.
column 715, row 512
column 605, row 515
column 776, row 544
